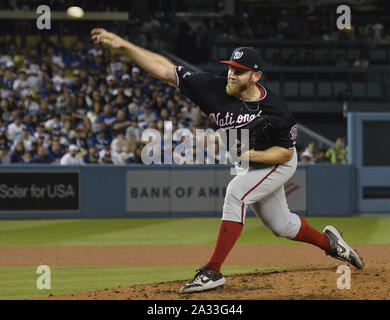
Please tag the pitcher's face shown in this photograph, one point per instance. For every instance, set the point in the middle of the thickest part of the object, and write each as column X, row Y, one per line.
column 239, row 80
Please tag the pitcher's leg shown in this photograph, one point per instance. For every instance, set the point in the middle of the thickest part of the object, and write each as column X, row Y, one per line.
column 273, row 211
column 256, row 184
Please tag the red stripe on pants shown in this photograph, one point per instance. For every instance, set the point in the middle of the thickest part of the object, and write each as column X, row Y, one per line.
column 269, row 173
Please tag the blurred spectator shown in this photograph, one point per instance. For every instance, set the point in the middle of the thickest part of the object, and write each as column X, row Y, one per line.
column 341, row 62
column 134, row 132
column 26, row 159
column 42, row 156
column 56, row 151
column 74, row 61
column 189, row 111
column 137, row 154
column 135, row 106
column 146, row 115
column 120, row 124
column 94, row 113
column 65, row 103
column 106, row 158
column 34, row 151
column 96, row 50
column 98, row 138
column 377, row 29
column 4, row 155
column 48, row 92
column 306, row 158
column 59, row 78
column 71, row 157
column 4, row 140
column 362, row 62
column 18, row 152
column 338, row 153
column 76, row 83
column 79, row 140
column 54, row 123
column 87, row 158
column 26, row 138
column 107, row 118
column 30, row 105
column 119, row 142
column 124, row 154
column 106, row 149
column 4, row 58
column 15, row 128
column 321, row 156
column 311, row 150
column 21, row 84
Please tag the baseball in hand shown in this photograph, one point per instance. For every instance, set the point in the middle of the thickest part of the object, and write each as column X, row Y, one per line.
column 75, row 12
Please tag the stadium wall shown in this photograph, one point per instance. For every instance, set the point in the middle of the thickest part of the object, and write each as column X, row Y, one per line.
column 96, row 191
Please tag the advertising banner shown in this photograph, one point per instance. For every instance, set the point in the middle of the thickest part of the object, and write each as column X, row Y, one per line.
column 39, row 191
column 189, row 190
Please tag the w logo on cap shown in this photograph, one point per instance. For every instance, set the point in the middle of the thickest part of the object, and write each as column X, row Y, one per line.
column 238, row 55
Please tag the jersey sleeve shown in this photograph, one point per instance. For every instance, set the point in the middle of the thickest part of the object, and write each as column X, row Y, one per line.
column 286, row 138
column 196, row 86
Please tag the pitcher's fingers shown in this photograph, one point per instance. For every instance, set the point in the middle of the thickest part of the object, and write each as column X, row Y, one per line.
column 97, row 35
column 96, row 39
column 95, row 30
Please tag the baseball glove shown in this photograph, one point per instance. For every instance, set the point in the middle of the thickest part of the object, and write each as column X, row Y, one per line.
column 259, row 134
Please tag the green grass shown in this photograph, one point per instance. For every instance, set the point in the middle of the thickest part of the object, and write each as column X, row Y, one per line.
column 20, row 282
column 172, row 231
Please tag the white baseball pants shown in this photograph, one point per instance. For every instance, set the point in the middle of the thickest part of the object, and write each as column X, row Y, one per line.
column 263, row 190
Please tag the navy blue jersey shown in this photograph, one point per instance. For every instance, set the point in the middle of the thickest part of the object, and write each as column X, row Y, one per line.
column 208, row 91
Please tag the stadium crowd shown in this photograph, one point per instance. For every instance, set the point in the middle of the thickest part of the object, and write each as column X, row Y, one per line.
column 85, row 105
column 311, row 154
column 83, row 101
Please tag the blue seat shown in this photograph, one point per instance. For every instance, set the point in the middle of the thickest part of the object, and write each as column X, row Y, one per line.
column 318, row 54
column 374, row 89
column 306, row 89
column 358, row 89
column 269, row 53
column 274, row 86
column 353, row 54
column 339, row 86
column 377, row 55
column 285, row 53
column 291, row 88
column 324, row 89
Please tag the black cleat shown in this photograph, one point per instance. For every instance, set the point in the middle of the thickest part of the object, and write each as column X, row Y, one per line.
column 339, row 249
column 204, row 279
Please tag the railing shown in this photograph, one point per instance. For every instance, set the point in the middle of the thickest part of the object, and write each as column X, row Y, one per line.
column 306, row 136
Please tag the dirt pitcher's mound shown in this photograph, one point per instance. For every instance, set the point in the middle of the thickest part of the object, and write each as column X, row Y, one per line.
column 311, row 282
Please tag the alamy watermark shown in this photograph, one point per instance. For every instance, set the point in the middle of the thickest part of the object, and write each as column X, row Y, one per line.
column 184, row 146
column 344, row 20
column 44, row 20
column 344, row 281
column 44, row 280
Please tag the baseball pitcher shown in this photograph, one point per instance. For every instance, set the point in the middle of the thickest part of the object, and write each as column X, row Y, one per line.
column 239, row 101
